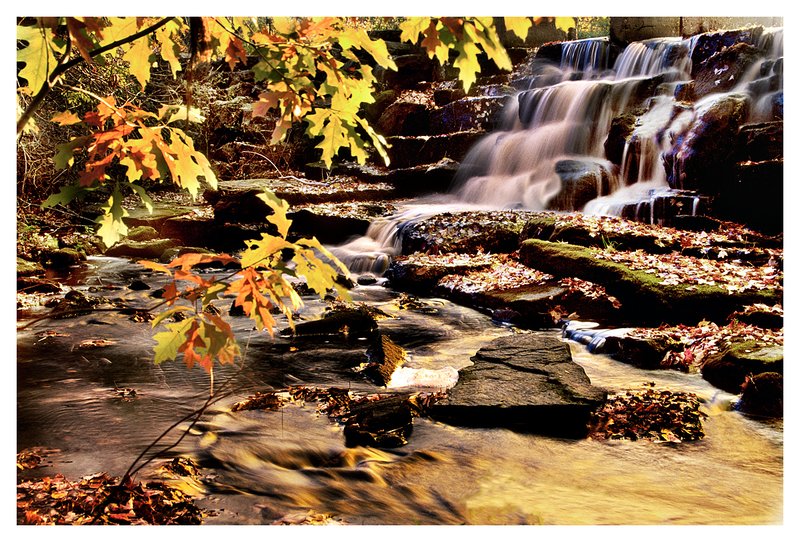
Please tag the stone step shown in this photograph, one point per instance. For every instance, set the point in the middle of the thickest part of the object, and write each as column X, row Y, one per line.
column 525, row 382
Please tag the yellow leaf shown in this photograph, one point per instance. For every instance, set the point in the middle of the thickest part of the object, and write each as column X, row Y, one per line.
column 279, row 207
column 118, row 29
column 138, row 57
column 565, row 23
column 284, row 25
column 518, row 25
column 412, row 27
column 261, row 252
column 168, row 342
column 39, row 56
column 467, row 63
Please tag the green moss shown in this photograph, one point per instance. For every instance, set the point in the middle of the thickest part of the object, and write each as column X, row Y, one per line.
column 641, row 293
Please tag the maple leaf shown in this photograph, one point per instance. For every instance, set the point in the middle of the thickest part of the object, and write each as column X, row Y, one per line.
column 112, row 228
column 412, row 27
column 434, row 45
column 262, row 252
column 279, row 209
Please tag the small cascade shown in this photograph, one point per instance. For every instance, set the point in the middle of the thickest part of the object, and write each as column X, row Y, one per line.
column 588, row 55
column 653, row 57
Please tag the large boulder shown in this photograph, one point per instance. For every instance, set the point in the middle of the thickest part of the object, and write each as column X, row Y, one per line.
column 724, row 70
column 581, row 182
column 709, row 44
column 701, row 159
column 730, row 368
column 762, row 395
column 525, row 382
column 470, row 113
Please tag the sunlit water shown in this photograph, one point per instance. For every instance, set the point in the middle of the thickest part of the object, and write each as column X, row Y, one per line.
column 262, row 465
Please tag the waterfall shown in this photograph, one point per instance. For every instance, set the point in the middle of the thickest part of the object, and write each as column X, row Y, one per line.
column 552, row 150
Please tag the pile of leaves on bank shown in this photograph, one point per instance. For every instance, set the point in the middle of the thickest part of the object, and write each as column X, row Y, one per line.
column 649, row 414
column 693, row 345
column 101, row 499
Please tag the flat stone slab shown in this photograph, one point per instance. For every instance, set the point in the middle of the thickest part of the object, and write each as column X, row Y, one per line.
column 527, row 382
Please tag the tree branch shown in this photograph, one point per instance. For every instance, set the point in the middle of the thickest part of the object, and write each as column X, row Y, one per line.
column 62, row 67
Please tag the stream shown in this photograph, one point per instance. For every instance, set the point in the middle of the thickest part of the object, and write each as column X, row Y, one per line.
column 259, row 466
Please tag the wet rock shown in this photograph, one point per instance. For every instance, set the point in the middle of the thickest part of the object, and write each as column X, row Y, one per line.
column 61, row 258
column 384, row 423
column 26, row 268
column 550, row 51
column 760, row 142
column 701, row 159
column 466, row 114
column 237, row 201
column 465, row 232
column 410, row 151
column 755, row 197
column 762, row 395
column 413, row 274
column 336, row 222
column 408, row 181
column 384, row 357
column 383, row 99
column 621, row 130
column 581, row 182
column 404, row 118
column 647, row 353
column 150, row 250
column 709, row 44
column 723, row 71
column 643, row 295
column 526, row 382
column 367, row 279
column 138, row 285
column 33, row 285
column 729, row 369
column 411, row 70
column 347, row 323
column 444, row 96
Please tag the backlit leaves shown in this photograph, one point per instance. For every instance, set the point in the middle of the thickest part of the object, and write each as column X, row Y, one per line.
column 467, row 36
column 259, row 287
column 40, row 55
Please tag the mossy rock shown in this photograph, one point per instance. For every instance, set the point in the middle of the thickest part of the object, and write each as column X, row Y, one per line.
column 141, row 249
column 61, row 258
column 730, row 369
column 142, row 233
column 26, row 268
column 647, row 353
column 644, row 298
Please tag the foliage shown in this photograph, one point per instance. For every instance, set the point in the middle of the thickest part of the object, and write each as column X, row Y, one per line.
column 259, row 287
column 101, row 499
column 649, row 414
column 468, row 36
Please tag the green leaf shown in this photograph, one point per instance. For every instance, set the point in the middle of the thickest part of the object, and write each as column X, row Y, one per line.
column 39, row 56
column 148, row 202
column 64, row 196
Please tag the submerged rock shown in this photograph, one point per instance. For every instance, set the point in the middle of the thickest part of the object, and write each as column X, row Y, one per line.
column 762, row 395
column 527, row 382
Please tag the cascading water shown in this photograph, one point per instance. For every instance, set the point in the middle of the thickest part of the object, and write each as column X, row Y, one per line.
column 551, row 150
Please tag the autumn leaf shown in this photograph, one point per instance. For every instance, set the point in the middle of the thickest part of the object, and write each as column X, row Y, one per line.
column 66, row 118
column 169, row 342
column 138, row 58
column 39, row 56
column 518, row 25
